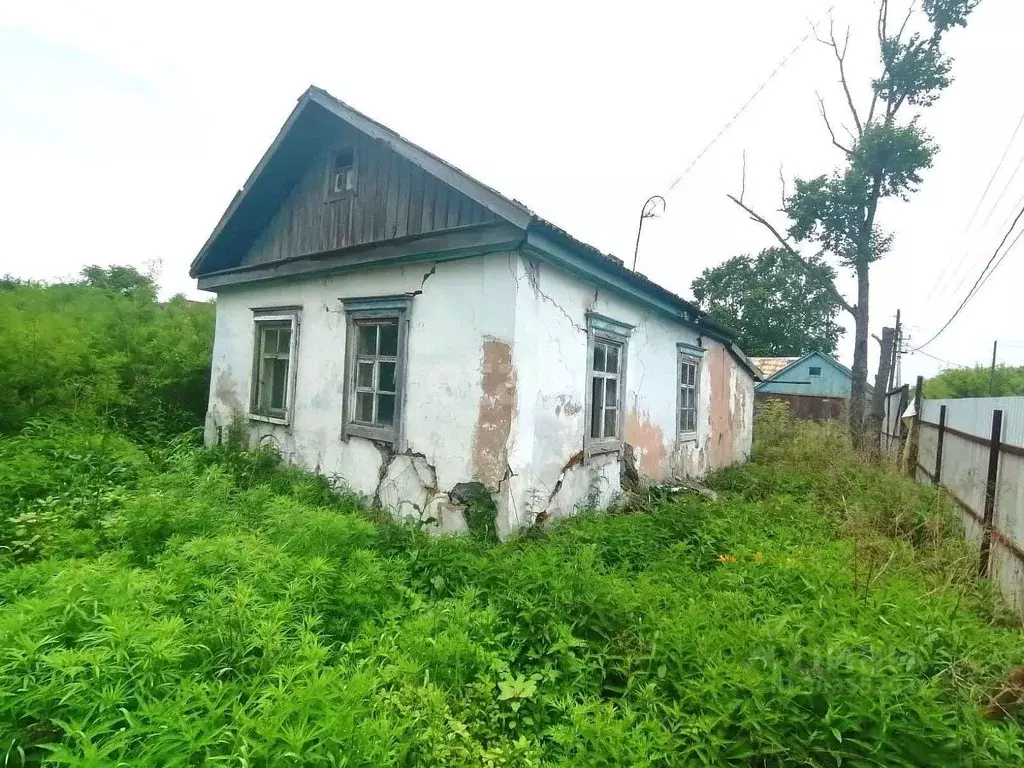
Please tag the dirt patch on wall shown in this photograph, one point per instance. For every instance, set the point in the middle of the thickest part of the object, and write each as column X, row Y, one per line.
column 226, row 391
column 720, row 443
column 648, row 443
column 497, row 407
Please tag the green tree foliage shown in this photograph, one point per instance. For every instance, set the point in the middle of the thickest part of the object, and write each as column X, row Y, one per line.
column 181, row 607
column 127, row 281
column 976, row 382
column 885, row 159
column 776, row 304
column 103, row 348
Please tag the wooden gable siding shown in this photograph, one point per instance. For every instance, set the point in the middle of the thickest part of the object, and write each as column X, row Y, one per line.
column 393, row 198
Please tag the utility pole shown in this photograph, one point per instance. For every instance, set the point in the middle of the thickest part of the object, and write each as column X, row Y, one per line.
column 992, row 372
column 883, row 377
column 894, row 362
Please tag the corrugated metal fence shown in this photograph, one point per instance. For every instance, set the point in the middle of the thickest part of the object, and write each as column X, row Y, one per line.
column 892, row 422
column 974, row 448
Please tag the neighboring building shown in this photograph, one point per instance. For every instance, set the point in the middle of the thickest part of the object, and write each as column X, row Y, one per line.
column 388, row 321
column 815, row 385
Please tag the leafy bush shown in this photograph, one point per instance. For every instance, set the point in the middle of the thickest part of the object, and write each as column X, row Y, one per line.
column 216, row 607
column 103, row 348
column 979, row 381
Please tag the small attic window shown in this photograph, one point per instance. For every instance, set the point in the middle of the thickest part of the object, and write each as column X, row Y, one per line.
column 815, row 370
column 341, row 177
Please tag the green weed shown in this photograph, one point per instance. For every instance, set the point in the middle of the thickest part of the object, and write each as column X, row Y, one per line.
column 182, row 606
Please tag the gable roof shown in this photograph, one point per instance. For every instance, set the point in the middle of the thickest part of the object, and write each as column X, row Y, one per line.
column 771, row 365
column 795, row 361
column 300, row 136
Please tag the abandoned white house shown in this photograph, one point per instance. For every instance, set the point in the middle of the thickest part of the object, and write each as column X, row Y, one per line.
column 389, row 321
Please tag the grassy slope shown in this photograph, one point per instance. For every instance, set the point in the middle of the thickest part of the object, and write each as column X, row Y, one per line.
column 185, row 606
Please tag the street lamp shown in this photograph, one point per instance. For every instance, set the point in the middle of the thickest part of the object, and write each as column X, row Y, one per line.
column 649, row 211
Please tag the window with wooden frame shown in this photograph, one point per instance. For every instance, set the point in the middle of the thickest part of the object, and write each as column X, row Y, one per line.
column 341, row 174
column 606, row 381
column 273, row 372
column 814, row 370
column 375, row 366
column 687, row 390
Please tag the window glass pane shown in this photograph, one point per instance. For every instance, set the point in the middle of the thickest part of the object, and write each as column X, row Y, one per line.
column 343, row 159
column 269, row 341
column 386, row 382
column 599, row 354
column 611, row 392
column 364, row 406
column 386, row 409
column 367, row 344
column 364, row 375
column 610, row 418
column 284, row 340
column 613, row 360
column 278, row 383
column 596, row 407
column 389, row 340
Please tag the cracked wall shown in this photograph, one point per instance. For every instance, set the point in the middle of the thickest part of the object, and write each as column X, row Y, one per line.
column 495, row 390
column 461, row 306
column 549, row 355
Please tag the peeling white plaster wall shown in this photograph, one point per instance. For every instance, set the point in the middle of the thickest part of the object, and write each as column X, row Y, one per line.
column 495, row 389
column 462, row 304
column 550, row 357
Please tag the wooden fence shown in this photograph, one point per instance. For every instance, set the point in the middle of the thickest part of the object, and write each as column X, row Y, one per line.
column 974, row 449
column 806, row 406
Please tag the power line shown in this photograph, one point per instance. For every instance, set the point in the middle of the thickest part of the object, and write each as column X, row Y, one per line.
column 999, row 199
column 947, row 280
column 983, row 277
column 939, row 359
column 995, row 172
column 1009, row 216
column 749, row 101
column 1005, row 254
column 943, row 278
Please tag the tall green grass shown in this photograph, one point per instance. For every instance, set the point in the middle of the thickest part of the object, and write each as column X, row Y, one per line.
column 185, row 607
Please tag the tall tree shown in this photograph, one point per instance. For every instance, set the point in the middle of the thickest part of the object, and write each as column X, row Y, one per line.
column 884, row 158
column 777, row 304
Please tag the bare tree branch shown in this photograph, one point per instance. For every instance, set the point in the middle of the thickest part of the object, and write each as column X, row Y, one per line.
column 824, row 116
column 841, row 61
column 903, row 26
column 782, row 180
column 743, row 183
column 789, row 248
column 882, row 30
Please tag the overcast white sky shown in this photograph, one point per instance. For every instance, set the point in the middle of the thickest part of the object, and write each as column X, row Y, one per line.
column 126, row 127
